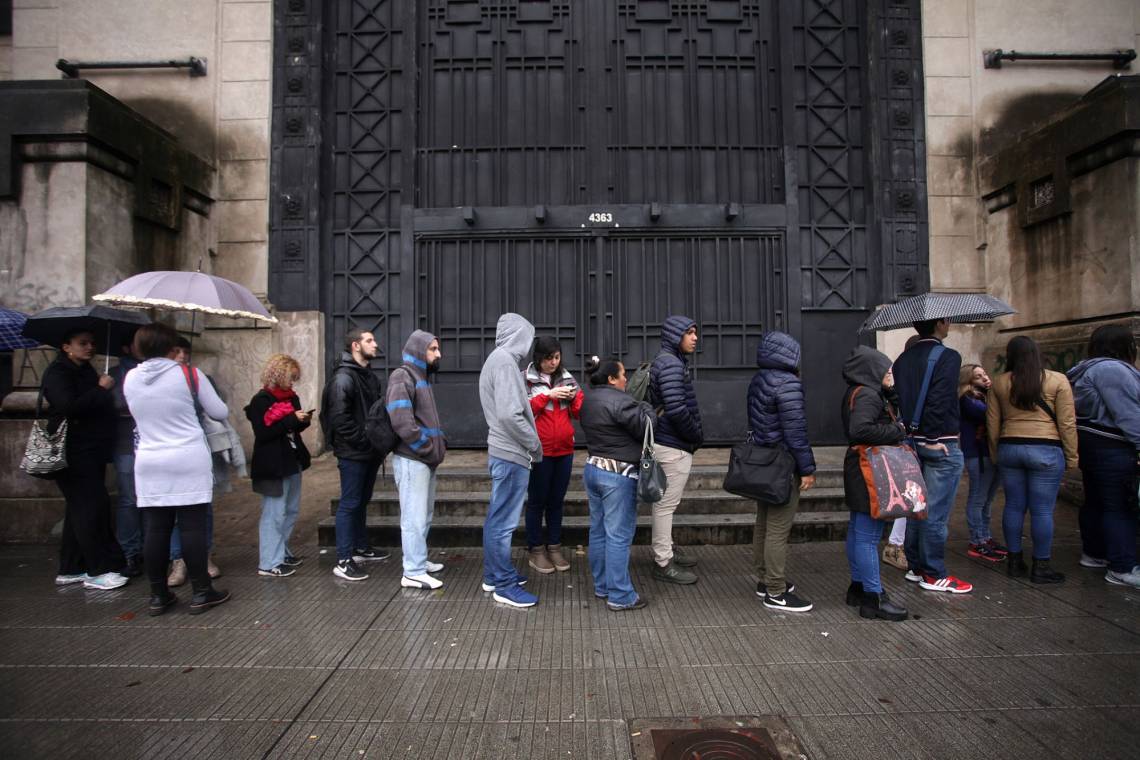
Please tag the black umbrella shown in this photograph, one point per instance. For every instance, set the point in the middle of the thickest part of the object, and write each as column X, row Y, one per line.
column 112, row 328
column 957, row 307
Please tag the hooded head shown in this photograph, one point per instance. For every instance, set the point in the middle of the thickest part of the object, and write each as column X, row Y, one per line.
column 672, row 330
column 415, row 351
column 515, row 335
column 152, row 369
column 778, row 350
column 866, row 366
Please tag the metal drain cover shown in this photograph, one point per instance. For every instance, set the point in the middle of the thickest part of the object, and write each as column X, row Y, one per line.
column 721, row 737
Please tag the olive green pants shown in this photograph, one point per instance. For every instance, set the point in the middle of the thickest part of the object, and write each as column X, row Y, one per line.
column 770, row 540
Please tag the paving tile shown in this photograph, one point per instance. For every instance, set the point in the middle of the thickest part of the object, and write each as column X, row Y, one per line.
column 165, row 739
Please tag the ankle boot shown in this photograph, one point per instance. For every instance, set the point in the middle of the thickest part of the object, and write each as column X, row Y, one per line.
column 161, row 599
column 206, row 596
column 1015, row 565
column 554, row 553
column 539, row 561
column 880, row 607
column 855, row 594
column 1042, row 573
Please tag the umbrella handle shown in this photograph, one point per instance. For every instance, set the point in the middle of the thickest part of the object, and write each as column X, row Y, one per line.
column 107, row 356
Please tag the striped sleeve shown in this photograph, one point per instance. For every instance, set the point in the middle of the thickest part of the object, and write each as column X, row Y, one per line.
column 401, row 411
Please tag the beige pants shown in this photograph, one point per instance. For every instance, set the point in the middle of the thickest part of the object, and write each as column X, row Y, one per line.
column 676, row 464
column 770, row 540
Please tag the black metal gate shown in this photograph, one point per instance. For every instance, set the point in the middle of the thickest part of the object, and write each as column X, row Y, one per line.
column 597, row 165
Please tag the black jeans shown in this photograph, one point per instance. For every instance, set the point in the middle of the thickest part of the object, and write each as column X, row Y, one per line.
column 88, row 542
column 1108, row 516
column 159, row 523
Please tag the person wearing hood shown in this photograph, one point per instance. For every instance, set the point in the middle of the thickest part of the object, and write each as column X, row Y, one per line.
column 777, row 417
column 870, row 417
column 174, row 471
column 513, row 447
column 279, row 458
column 78, row 395
column 1106, row 391
column 678, row 433
column 554, row 399
column 349, row 394
column 411, row 408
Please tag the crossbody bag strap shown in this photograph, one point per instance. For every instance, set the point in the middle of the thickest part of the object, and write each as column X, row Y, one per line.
column 647, row 442
column 916, row 418
column 191, row 376
column 1047, row 409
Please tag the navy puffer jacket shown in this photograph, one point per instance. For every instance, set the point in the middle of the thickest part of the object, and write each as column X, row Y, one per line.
column 776, row 412
column 671, row 390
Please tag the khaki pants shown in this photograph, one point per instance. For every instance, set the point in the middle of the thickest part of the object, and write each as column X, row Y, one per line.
column 770, row 540
column 676, row 464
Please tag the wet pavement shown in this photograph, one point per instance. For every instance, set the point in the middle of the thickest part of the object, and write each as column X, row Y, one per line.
column 313, row 666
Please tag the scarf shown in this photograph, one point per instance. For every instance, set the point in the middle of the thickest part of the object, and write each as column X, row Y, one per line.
column 282, row 408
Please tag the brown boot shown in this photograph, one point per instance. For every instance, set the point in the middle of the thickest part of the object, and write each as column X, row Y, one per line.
column 177, row 573
column 539, row 561
column 554, row 552
column 894, row 556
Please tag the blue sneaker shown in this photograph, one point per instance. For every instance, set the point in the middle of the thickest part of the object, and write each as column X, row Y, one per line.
column 516, row 596
column 519, row 579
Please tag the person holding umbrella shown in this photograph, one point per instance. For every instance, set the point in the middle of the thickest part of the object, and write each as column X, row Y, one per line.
column 81, row 396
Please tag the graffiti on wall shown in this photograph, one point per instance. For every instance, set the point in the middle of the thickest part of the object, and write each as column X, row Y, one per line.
column 1057, row 358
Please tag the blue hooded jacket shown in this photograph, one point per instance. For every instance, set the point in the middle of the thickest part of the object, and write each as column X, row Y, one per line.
column 671, row 390
column 776, row 412
column 1106, row 394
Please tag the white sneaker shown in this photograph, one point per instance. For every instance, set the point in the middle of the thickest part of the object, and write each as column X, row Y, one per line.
column 912, row 576
column 105, row 582
column 1093, row 562
column 434, row 567
column 67, row 580
column 421, row 581
column 1131, row 578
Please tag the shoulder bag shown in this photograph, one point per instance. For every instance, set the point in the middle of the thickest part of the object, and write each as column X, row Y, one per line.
column 651, row 481
column 763, row 473
column 45, row 455
column 893, row 476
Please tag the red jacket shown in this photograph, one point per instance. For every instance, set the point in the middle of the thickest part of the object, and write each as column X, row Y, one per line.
column 551, row 416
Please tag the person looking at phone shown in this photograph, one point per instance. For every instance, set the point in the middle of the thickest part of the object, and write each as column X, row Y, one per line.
column 279, row 458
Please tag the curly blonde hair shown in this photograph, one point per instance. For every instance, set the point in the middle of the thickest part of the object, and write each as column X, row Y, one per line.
column 281, row 371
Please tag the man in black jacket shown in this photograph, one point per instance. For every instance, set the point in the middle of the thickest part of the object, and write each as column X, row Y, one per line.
column 350, row 393
column 936, row 433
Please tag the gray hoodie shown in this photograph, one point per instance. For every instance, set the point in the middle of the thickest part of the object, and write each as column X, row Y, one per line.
column 502, row 392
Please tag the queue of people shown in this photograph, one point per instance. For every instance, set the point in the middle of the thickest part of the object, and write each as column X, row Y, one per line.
column 1022, row 430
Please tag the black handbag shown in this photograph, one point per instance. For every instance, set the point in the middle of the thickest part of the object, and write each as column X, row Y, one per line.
column 763, row 473
column 650, row 477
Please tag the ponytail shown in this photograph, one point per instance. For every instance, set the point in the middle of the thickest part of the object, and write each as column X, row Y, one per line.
column 601, row 370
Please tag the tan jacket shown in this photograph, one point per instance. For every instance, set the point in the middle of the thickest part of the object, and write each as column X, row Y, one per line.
column 1004, row 420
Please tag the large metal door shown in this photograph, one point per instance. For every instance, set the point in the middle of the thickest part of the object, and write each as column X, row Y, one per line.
column 597, row 165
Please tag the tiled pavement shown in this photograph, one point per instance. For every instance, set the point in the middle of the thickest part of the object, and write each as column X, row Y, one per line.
column 312, row 666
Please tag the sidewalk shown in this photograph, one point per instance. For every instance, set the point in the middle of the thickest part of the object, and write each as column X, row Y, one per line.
column 312, row 666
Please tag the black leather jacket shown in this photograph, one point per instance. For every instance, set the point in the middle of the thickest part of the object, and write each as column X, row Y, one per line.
column 614, row 423
column 349, row 395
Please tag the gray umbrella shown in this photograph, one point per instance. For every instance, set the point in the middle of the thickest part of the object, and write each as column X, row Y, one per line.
column 957, row 307
column 112, row 328
column 195, row 292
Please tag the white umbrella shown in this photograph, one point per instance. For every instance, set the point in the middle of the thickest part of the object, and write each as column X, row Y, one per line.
column 195, row 292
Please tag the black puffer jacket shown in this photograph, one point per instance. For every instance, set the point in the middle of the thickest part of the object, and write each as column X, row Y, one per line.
column 348, row 396
column 867, row 418
column 614, row 423
column 776, row 412
column 73, row 392
column 278, row 449
column 671, row 390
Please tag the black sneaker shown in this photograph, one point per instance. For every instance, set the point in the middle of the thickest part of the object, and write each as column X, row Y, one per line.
column 281, row 571
column 370, row 555
column 293, row 561
column 673, row 573
column 762, row 590
column 683, row 560
column 787, row 602
column 636, row 604
column 348, row 570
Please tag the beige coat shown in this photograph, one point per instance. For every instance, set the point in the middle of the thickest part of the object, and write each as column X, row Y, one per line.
column 1004, row 420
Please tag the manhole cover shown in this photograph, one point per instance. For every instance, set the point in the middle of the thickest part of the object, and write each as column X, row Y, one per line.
column 714, row 738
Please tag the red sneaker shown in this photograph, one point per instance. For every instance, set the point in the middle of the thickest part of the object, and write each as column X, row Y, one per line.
column 949, row 584
column 983, row 551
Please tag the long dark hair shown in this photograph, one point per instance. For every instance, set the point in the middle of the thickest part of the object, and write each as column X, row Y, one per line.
column 544, row 347
column 1113, row 342
column 1027, row 371
column 601, row 370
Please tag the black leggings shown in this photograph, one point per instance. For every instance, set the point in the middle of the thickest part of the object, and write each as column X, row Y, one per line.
column 156, row 548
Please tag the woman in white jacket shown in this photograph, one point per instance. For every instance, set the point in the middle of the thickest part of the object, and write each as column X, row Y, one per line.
column 173, row 466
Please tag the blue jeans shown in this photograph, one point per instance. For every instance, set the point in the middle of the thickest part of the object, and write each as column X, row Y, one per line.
column 176, row 536
column 926, row 539
column 863, row 534
column 613, row 520
column 1108, row 516
column 128, row 519
column 549, row 480
column 278, row 516
column 983, row 488
column 1031, row 475
column 357, row 481
column 415, row 482
column 508, row 494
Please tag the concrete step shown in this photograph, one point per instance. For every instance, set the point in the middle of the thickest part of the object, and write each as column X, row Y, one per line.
column 688, row 529
column 576, row 504
column 701, row 478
